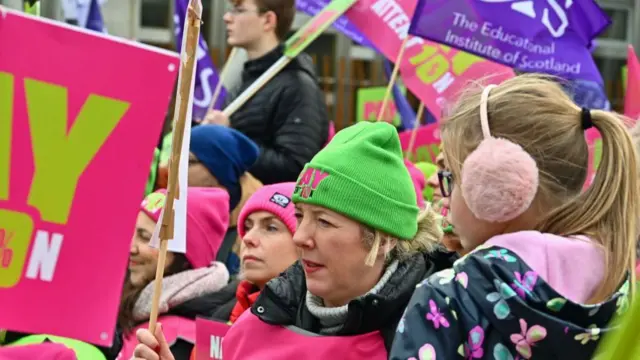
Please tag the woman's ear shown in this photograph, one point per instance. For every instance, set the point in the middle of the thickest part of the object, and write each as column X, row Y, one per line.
column 388, row 244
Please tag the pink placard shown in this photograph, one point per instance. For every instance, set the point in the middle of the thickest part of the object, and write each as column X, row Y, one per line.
column 426, row 145
column 80, row 115
column 209, row 335
column 435, row 73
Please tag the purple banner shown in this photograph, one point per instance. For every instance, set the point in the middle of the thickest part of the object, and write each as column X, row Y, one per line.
column 588, row 94
column 342, row 24
column 547, row 36
column 206, row 75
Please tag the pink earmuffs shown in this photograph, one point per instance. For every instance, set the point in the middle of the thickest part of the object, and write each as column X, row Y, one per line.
column 499, row 179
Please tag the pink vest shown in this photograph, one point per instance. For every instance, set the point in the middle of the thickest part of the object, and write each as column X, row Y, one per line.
column 174, row 328
column 251, row 338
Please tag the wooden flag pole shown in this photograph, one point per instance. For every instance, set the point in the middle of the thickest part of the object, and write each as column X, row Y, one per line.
column 392, row 80
column 187, row 64
column 223, row 74
column 414, row 132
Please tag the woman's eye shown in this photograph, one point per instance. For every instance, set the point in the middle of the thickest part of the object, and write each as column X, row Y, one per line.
column 272, row 228
column 324, row 223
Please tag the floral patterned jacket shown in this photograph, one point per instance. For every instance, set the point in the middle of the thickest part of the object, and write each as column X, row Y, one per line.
column 491, row 305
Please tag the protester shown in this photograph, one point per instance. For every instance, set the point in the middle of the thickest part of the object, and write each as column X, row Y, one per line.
column 220, row 157
column 635, row 135
column 417, row 177
column 517, row 204
column 187, row 276
column 287, row 118
column 428, row 170
column 434, row 183
column 441, row 205
column 266, row 225
column 359, row 265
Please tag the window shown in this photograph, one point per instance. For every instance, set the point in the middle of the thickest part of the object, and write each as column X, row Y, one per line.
column 611, row 70
column 620, row 28
column 156, row 14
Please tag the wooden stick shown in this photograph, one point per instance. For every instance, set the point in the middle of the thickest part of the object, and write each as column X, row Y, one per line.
column 188, row 61
column 223, row 75
column 414, row 132
column 392, row 80
column 257, row 85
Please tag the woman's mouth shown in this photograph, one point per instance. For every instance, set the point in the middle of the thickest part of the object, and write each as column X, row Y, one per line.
column 248, row 258
column 310, row 267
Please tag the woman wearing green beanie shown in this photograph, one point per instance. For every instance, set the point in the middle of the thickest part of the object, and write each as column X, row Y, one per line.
column 364, row 247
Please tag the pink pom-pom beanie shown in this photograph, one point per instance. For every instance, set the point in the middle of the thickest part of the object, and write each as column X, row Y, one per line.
column 419, row 182
column 275, row 199
column 207, row 221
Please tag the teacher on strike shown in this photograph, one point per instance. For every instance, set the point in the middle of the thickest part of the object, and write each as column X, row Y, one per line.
column 358, row 265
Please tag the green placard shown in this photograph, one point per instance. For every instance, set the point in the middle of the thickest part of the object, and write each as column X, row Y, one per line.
column 625, row 78
column 622, row 343
column 370, row 102
column 32, row 7
column 319, row 23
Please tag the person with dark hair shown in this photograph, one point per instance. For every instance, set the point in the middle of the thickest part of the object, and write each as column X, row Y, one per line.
column 188, row 277
column 287, row 118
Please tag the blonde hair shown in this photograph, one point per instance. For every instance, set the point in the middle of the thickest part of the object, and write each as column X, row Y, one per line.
column 427, row 239
column 534, row 112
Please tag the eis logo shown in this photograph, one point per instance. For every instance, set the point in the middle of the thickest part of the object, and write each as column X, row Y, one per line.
column 533, row 8
column 309, row 182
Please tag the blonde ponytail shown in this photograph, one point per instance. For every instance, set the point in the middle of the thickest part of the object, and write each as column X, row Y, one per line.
column 608, row 211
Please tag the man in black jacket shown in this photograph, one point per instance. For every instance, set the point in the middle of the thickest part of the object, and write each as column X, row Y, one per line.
column 287, row 118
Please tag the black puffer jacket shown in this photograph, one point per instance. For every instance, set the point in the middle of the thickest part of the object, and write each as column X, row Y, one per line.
column 287, row 118
column 282, row 301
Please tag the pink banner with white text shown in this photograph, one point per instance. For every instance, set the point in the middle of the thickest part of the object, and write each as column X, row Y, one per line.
column 80, row 116
column 209, row 335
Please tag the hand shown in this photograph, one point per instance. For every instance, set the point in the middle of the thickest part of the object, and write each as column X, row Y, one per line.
column 152, row 347
column 216, row 117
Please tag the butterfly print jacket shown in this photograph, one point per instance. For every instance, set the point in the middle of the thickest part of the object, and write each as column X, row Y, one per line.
column 492, row 305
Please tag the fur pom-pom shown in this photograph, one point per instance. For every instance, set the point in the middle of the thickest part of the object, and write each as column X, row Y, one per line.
column 499, row 180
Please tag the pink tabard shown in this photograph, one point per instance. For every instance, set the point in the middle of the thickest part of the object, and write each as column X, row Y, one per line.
column 251, row 338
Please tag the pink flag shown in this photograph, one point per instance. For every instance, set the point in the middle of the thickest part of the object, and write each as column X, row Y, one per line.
column 632, row 97
column 434, row 73
column 80, row 116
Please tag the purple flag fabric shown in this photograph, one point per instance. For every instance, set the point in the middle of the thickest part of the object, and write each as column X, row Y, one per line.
column 407, row 115
column 342, row 24
column 547, row 36
column 588, row 94
column 207, row 77
column 95, row 21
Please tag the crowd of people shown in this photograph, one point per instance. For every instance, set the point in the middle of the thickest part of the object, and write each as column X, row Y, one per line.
column 311, row 246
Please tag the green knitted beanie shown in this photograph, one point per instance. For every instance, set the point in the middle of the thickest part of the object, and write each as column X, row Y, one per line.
column 361, row 174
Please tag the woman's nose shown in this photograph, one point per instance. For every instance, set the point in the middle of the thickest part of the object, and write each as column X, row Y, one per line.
column 433, row 181
column 302, row 238
column 133, row 248
column 251, row 238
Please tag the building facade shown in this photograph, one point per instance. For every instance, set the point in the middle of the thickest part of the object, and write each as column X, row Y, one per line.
column 342, row 65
